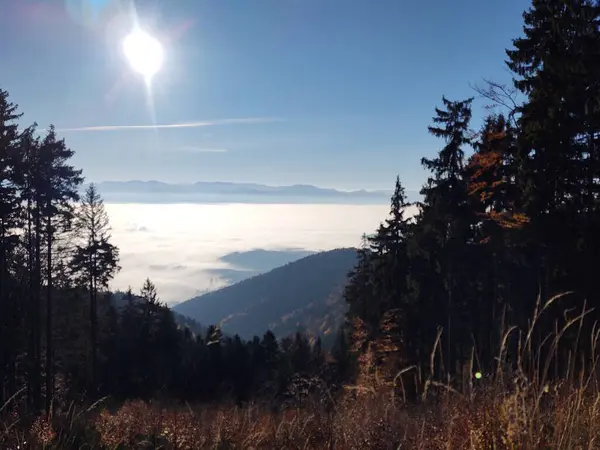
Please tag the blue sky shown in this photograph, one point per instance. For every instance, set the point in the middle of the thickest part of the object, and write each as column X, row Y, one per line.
column 336, row 93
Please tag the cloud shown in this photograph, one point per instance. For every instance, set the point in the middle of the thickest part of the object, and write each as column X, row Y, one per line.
column 192, row 149
column 162, row 267
column 262, row 260
column 191, row 249
column 230, row 276
column 138, row 228
column 207, row 123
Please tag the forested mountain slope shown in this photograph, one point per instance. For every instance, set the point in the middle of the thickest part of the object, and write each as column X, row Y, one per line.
column 303, row 294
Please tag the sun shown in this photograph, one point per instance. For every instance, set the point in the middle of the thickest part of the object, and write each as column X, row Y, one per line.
column 144, row 53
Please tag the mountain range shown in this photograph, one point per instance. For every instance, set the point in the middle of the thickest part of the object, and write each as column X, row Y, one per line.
column 302, row 295
column 223, row 192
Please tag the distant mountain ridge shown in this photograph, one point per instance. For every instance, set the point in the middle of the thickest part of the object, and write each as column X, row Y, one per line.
column 302, row 295
column 223, row 187
column 199, row 192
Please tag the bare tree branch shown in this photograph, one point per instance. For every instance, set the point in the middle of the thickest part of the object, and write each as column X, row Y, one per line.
column 501, row 95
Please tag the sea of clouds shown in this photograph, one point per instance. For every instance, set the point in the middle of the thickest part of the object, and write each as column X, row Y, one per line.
column 187, row 249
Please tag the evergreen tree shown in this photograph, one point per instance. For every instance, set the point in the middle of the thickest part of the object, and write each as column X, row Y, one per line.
column 95, row 259
column 555, row 67
column 9, row 222
column 300, row 354
column 31, row 184
column 522, row 215
column 444, row 230
column 272, row 353
column 59, row 189
column 389, row 252
column 149, row 293
column 359, row 290
column 495, row 199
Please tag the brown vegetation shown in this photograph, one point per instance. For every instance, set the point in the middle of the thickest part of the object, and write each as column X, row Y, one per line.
column 563, row 416
column 512, row 408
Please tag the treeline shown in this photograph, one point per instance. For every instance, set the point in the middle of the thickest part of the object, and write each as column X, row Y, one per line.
column 64, row 337
column 508, row 227
column 509, row 219
column 144, row 354
column 51, row 241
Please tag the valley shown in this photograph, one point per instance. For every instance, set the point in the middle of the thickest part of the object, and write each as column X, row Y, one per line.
column 190, row 249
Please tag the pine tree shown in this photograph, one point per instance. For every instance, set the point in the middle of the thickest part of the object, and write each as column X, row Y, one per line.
column 47, row 186
column 9, row 221
column 149, row 293
column 389, row 252
column 359, row 291
column 444, row 231
column 449, row 164
column 556, row 81
column 58, row 189
column 495, row 198
column 555, row 67
column 95, row 259
column 271, row 349
column 30, row 184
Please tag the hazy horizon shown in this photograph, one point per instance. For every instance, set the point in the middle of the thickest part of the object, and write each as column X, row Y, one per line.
column 344, row 188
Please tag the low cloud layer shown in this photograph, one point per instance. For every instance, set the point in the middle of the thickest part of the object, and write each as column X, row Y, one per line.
column 189, row 249
column 246, row 264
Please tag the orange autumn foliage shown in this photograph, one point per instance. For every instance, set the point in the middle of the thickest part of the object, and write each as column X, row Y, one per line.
column 488, row 185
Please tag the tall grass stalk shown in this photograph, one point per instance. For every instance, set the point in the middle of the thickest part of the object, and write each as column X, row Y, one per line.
column 530, row 399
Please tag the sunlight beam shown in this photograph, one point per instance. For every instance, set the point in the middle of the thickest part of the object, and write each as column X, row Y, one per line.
column 144, row 53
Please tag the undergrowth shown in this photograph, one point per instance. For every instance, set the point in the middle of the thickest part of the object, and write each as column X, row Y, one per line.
column 517, row 406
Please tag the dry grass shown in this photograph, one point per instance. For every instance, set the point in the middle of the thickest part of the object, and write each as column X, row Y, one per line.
column 508, row 409
column 568, row 419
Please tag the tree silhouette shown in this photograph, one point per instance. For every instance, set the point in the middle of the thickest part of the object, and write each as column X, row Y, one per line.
column 95, row 259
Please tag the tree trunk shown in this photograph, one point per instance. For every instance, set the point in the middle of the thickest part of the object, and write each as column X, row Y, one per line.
column 6, row 333
column 93, row 335
column 34, row 356
column 30, row 310
column 49, row 349
column 38, row 309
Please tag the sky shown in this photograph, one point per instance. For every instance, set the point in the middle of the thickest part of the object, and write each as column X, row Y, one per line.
column 335, row 93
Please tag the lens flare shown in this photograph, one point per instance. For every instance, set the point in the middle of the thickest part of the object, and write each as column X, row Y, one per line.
column 143, row 52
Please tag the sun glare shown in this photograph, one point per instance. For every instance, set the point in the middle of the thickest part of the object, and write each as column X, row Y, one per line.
column 144, row 53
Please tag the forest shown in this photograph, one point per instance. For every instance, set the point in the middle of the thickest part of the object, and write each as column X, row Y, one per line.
column 472, row 324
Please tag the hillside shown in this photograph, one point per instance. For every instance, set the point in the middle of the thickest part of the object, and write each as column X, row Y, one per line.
column 302, row 294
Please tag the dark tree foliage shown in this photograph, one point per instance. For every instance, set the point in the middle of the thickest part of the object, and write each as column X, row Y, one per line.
column 64, row 335
column 94, row 261
column 10, row 309
column 509, row 218
column 57, row 191
column 509, row 225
